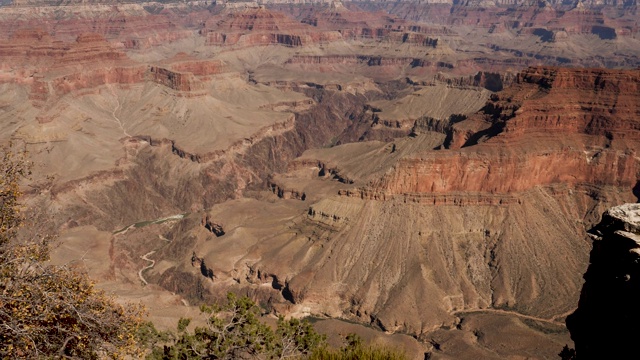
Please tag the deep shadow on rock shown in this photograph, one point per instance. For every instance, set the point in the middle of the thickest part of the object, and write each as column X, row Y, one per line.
column 605, row 325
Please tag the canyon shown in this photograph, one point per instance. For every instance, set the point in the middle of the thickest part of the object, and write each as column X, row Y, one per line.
column 422, row 173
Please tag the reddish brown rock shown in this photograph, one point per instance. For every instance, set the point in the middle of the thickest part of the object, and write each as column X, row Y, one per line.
column 180, row 81
column 543, row 19
column 557, row 126
column 34, row 48
column 357, row 24
column 91, row 79
column 256, row 26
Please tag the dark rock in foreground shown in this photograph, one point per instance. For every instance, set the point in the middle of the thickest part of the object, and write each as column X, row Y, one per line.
column 605, row 325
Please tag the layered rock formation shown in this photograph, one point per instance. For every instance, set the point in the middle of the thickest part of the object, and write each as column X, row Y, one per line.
column 255, row 26
column 175, row 80
column 194, row 129
column 359, row 24
column 258, row 26
column 546, row 19
column 603, row 326
column 455, row 225
column 33, row 47
column 596, row 107
column 55, row 68
column 129, row 24
column 544, row 30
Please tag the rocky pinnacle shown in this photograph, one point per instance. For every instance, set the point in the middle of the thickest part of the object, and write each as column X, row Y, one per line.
column 605, row 325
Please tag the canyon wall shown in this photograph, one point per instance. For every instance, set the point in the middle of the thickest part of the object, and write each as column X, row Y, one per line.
column 435, row 218
column 180, row 81
column 497, row 226
column 557, row 126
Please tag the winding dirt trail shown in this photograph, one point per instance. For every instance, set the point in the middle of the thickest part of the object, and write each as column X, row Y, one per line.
column 552, row 320
column 152, row 263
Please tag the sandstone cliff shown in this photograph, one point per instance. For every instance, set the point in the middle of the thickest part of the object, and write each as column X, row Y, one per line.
column 556, row 126
column 255, row 26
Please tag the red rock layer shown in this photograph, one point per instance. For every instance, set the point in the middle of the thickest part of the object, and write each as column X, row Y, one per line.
column 555, row 126
column 256, row 27
column 175, row 80
column 97, row 77
column 259, row 26
column 596, row 102
column 608, row 21
column 200, row 68
column 90, row 61
column 257, row 19
column 369, row 25
column 33, row 47
column 117, row 23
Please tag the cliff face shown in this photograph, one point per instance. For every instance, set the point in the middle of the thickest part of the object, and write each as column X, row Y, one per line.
column 32, row 47
column 55, row 68
column 603, row 326
column 471, row 211
column 256, row 26
column 497, row 225
column 549, row 20
column 556, row 126
column 180, row 81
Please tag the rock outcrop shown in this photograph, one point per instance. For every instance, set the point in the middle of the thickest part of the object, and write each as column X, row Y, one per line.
column 180, row 81
column 256, row 26
column 37, row 48
column 604, row 325
column 544, row 19
column 557, row 126
column 55, row 68
column 213, row 227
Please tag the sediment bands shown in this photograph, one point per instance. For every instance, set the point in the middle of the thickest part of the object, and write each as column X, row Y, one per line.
column 559, row 126
column 503, row 171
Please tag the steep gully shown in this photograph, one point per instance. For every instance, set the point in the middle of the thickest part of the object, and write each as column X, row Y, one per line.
column 115, row 110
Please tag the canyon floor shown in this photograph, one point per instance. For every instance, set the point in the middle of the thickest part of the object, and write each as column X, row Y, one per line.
column 421, row 174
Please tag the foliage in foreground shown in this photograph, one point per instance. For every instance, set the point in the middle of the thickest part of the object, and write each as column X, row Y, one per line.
column 51, row 311
column 567, row 353
column 54, row 312
column 356, row 350
column 234, row 331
